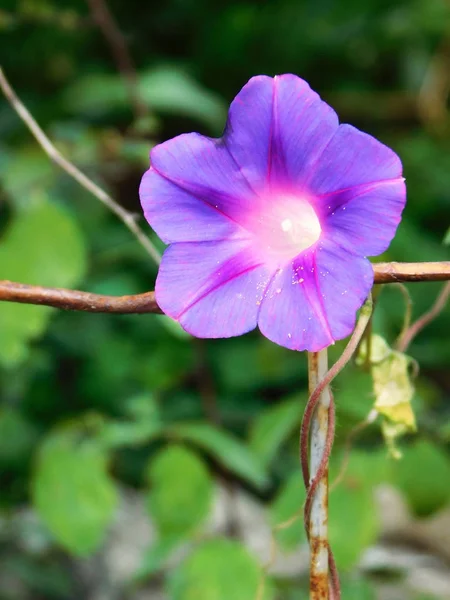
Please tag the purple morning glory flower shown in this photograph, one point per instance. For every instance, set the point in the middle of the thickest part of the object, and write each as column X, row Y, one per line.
column 271, row 224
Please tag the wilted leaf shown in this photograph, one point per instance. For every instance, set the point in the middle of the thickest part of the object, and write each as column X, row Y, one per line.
column 72, row 490
column 379, row 350
column 43, row 246
column 393, row 389
column 218, row 570
column 181, row 490
column 229, row 451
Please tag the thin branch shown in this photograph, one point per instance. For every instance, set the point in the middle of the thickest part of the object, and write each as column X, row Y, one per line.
column 119, row 49
column 311, row 405
column 392, row 272
column 313, row 483
column 408, row 312
column 75, row 300
column 139, row 303
column 425, row 319
column 128, row 218
column 435, row 89
column 355, row 431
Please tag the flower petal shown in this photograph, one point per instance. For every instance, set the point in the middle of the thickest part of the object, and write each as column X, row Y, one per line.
column 292, row 313
column 277, row 127
column 344, row 281
column 364, row 219
column 352, row 158
column 178, row 216
column 204, row 168
column 212, row 289
column 314, row 301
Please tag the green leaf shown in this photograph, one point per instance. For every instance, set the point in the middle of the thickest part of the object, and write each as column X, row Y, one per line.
column 143, row 407
column 120, row 434
column 43, row 246
column 144, row 426
column 156, row 556
column 272, row 427
column 170, row 90
column 17, row 437
column 229, row 451
column 172, row 327
column 372, row 467
column 166, row 90
column 286, row 513
column 72, row 491
column 423, row 475
column 357, row 589
column 24, row 171
column 447, row 238
column 218, row 570
column 354, row 395
column 181, row 491
column 353, row 523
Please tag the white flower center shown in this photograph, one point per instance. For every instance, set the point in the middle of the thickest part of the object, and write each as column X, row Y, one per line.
column 286, row 226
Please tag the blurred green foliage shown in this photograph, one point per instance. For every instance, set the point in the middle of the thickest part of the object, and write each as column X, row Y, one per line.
column 93, row 404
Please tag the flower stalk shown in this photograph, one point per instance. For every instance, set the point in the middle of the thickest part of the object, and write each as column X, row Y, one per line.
column 318, row 517
column 318, row 427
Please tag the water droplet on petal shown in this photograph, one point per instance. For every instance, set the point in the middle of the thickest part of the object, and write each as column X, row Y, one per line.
column 289, row 335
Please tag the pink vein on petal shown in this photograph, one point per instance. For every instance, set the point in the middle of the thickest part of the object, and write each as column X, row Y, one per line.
column 215, row 287
column 319, row 310
column 179, row 183
column 367, row 187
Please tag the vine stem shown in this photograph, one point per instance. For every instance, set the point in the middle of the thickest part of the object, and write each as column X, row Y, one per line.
column 319, row 418
column 128, row 218
column 318, row 515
